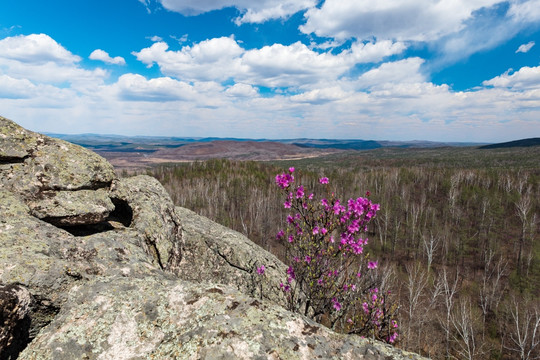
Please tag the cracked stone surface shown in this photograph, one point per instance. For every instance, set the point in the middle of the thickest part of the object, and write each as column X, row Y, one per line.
column 154, row 216
column 215, row 253
column 154, row 318
column 69, row 208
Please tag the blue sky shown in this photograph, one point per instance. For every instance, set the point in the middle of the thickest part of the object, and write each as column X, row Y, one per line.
column 446, row 70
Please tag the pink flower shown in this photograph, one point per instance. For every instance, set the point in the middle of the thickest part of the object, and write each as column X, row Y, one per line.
column 372, row 264
column 291, row 169
column 287, row 204
column 260, row 270
column 284, row 180
column 300, row 192
column 323, row 180
column 336, row 305
column 280, row 234
column 290, row 272
column 290, row 238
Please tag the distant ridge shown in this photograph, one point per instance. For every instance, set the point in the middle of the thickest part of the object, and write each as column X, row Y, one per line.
column 515, row 143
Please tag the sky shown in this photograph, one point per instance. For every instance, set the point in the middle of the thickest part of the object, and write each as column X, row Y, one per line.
column 439, row 70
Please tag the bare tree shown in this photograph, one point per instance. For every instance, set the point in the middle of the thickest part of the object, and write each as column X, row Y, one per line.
column 431, row 243
column 449, row 292
column 417, row 281
column 525, row 330
column 523, row 207
column 463, row 332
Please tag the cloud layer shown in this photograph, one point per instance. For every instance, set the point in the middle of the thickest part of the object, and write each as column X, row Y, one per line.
column 359, row 78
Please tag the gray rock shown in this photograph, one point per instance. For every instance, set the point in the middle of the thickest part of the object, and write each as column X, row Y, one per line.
column 33, row 165
column 217, row 254
column 154, row 216
column 70, row 208
column 48, row 260
column 153, row 318
column 15, row 302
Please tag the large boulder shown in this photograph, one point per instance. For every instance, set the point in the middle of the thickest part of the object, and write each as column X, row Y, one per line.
column 32, row 163
column 154, row 318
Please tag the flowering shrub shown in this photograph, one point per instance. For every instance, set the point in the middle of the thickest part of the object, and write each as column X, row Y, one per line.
column 330, row 277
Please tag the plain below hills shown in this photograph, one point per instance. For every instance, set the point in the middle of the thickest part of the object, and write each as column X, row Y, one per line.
column 144, row 151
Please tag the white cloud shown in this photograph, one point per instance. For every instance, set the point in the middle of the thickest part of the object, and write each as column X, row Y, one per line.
column 35, row 49
column 375, row 52
column 524, row 48
column 294, row 65
column 101, row 55
column 242, row 90
column 215, row 59
column 155, row 38
column 40, row 59
column 405, row 71
column 16, row 88
column 320, row 96
column 134, row 87
column 252, row 11
column 393, row 100
column 276, row 65
column 418, row 20
column 524, row 78
column 525, row 12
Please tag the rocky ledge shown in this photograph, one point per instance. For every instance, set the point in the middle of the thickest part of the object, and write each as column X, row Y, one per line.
column 96, row 267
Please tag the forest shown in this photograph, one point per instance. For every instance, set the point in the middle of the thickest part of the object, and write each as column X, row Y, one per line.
column 457, row 234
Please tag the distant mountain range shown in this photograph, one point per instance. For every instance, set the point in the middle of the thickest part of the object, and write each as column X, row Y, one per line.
column 120, row 143
column 138, row 152
column 512, row 144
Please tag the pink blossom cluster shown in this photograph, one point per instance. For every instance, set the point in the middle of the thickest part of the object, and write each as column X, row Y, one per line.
column 325, row 242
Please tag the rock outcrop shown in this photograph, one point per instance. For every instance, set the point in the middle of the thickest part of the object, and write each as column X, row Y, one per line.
column 96, row 267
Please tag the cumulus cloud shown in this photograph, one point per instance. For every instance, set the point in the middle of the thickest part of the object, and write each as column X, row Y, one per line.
column 101, row 55
column 15, row 88
column 252, row 11
column 374, row 52
column 320, row 96
column 39, row 58
column 35, row 49
column 214, row 59
column 418, row 20
column 405, row 71
column 273, row 66
column 524, row 78
column 135, row 87
column 524, row 48
column 242, row 90
column 392, row 100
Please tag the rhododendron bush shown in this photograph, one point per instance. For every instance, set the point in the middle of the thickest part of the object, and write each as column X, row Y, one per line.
column 330, row 277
